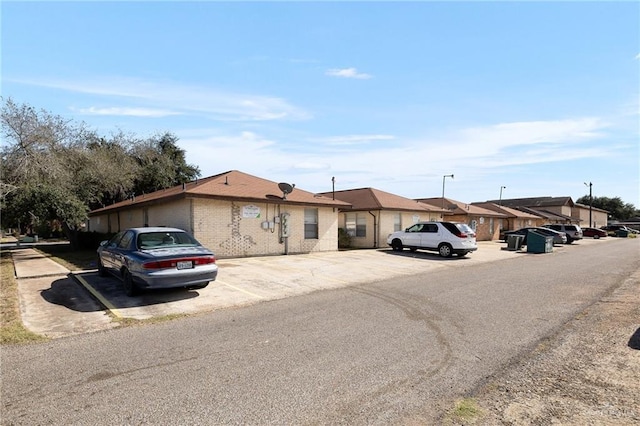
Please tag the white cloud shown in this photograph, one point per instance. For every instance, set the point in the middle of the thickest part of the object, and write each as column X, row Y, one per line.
column 404, row 166
column 348, row 73
column 352, row 139
column 123, row 111
column 181, row 99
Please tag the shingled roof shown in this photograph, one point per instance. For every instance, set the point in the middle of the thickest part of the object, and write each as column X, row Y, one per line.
column 549, row 215
column 507, row 211
column 375, row 199
column 540, row 202
column 233, row 186
column 458, row 207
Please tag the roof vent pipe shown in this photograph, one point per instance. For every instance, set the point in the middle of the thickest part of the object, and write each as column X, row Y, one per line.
column 226, row 180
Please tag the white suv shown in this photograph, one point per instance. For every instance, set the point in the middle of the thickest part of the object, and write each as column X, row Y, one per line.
column 447, row 238
column 574, row 232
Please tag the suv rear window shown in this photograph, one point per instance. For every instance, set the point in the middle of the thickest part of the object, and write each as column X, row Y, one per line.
column 457, row 228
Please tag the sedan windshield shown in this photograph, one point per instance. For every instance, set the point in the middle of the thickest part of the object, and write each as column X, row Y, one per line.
column 152, row 240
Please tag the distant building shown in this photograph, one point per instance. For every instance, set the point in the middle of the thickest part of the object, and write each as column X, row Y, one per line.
column 558, row 210
column 486, row 223
column 373, row 214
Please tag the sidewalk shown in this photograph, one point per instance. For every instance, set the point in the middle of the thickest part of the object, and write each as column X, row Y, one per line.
column 52, row 304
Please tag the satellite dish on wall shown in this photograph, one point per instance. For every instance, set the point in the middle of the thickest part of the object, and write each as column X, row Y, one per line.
column 286, row 189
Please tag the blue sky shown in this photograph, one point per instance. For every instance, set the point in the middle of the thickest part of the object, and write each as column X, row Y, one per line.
column 539, row 97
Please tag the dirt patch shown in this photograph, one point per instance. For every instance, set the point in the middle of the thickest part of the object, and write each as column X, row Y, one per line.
column 588, row 374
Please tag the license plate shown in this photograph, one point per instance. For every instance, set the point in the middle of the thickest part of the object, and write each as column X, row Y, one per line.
column 185, row 265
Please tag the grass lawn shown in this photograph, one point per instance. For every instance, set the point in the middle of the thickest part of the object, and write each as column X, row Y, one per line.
column 74, row 260
column 11, row 328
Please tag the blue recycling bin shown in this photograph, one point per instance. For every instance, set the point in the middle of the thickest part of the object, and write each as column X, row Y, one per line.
column 539, row 243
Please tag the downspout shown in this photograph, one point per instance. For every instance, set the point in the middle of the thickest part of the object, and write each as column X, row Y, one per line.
column 375, row 230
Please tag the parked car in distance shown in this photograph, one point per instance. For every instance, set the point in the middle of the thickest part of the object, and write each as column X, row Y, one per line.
column 558, row 237
column 594, row 232
column 156, row 257
column 447, row 238
column 574, row 232
column 613, row 229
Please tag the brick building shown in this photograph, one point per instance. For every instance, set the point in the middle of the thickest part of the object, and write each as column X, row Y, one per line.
column 234, row 214
column 374, row 214
column 486, row 223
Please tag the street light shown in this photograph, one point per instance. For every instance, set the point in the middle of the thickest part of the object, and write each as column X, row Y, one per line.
column 590, row 185
column 443, row 178
column 501, row 188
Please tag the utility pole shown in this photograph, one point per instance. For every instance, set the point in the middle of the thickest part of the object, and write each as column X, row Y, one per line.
column 501, row 188
column 443, row 178
column 590, row 185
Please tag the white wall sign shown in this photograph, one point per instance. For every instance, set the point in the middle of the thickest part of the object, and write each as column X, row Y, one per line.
column 251, row 211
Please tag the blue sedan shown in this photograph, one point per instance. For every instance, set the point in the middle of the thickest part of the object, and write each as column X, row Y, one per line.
column 156, row 257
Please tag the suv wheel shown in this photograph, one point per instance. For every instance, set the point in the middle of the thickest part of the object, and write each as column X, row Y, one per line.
column 396, row 245
column 445, row 250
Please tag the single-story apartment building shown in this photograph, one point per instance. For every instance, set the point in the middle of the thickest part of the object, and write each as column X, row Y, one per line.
column 558, row 210
column 486, row 223
column 234, row 214
column 374, row 214
column 514, row 218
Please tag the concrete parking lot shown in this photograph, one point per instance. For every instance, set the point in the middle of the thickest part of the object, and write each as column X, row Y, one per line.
column 55, row 305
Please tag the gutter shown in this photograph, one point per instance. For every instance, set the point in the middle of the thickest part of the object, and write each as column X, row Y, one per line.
column 375, row 230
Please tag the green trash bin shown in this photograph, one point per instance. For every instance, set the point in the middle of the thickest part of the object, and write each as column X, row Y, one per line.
column 539, row 243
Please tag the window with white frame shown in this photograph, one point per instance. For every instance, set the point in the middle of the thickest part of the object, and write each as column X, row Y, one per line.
column 397, row 222
column 361, row 225
column 310, row 224
column 356, row 224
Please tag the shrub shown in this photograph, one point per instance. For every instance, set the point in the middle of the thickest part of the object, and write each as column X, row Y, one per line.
column 344, row 240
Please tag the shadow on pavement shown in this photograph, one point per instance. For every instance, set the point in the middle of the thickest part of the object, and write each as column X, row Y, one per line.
column 111, row 289
column 634, row 341
column 65, row 292
column 421, row 254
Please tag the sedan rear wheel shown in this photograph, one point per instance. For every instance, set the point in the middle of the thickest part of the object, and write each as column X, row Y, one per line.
column 445, row 250
column 130, row 288
column 101, row 269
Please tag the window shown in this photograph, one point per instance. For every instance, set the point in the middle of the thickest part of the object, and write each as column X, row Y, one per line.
column 356, row 224
column 431, row 228
column 126, row 240
column 361, row 225
column 310, row 224
column 397, row 222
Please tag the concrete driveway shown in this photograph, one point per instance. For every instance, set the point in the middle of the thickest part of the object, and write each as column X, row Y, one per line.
column 51, row 305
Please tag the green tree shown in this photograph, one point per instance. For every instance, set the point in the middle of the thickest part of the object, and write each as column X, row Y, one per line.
column 53, row 169
column 618, row 209
column 162, row 164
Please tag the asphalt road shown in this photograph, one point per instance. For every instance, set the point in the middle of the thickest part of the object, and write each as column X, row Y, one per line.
column 387, row 352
